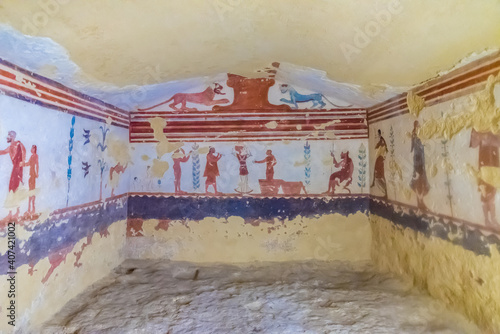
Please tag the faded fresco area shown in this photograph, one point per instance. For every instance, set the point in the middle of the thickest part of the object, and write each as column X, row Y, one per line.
column 442, row 159
column 233, row 168
column 433, row 207
column 63, row 182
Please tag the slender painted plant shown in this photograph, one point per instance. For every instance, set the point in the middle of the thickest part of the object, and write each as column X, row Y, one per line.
column 196, row 166
column 102, row 146
column 307, row 158
column 70, row 156
column 362, row 167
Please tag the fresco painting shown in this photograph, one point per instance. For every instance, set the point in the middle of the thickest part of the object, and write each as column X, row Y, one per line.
column 50, row 193
column 258, row 151
column 257, row 127
column 442, row 157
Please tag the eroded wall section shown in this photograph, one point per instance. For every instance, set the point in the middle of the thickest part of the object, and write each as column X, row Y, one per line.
column 435, row 171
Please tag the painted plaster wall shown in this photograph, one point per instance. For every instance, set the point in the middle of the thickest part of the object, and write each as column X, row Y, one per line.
column 60, row 241
column 258, row 119
column 465, row 281
column 292, row 160
column 74, row 269
column 235, row 240
column 436, row 222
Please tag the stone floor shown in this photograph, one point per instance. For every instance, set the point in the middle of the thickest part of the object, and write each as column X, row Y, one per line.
column 305, row 297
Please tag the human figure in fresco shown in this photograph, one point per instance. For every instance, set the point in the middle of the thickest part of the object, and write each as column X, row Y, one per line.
column 488, row 144
column 419, row 182
column 344, row 174
column 32, row 163
column 242, row 155
column 270, row 161
column 179, row 156
column 17, row 153
column 212, row 170
column 379, row 172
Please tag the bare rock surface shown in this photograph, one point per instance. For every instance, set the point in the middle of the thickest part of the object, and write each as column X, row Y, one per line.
column 292, row 297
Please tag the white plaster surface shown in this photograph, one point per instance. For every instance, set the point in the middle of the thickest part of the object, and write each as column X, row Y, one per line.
column 147, row 296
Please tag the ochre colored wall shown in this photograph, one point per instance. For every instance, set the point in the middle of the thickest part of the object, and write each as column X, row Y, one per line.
column 465, row 281
column 328, row 237
column 37, row 302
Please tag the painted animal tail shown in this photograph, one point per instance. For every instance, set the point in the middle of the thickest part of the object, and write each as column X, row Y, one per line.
column 157, row 105
column 333, row 104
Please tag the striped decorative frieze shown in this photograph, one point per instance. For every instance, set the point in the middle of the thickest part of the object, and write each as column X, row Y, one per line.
column 465, row 80
column 252, row 125
column 21, row 84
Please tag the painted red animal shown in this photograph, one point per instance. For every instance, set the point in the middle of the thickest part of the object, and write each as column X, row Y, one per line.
column 206, row 98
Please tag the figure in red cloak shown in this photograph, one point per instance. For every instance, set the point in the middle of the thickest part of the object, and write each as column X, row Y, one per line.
column 17, row 153
column 212, row 170
column 270, row 161
column 179, row 156
column 344, row 174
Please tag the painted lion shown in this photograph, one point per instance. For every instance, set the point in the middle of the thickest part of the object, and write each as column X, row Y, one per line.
column 206, row 98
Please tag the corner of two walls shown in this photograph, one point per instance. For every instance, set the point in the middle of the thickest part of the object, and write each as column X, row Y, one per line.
column 436, row 167
column 64, row 205
column 274, row 210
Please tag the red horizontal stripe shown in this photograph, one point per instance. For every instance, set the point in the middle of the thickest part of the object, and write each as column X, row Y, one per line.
column 245, row 129
column 244, row 122
column 246, row 135
column 61, row 96
column 56, row 84
column 250, row 111
column 249, row 139
column 55, row 100
column 463, row 82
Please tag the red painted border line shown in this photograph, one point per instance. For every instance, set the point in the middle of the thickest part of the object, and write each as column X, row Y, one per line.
column 248, row 111
column 224, row 123
column 18, row 89
column 437, row 100
column 441, row 93
column 69, row 98
column 250, row 139
column 200, row 131
column 453, row 78
column 61, row 86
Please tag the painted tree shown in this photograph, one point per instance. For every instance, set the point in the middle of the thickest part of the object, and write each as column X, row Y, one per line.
column 70, row 156
column 307, row 168
column 196, row 166
column 102, row 163
column 362, row 167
